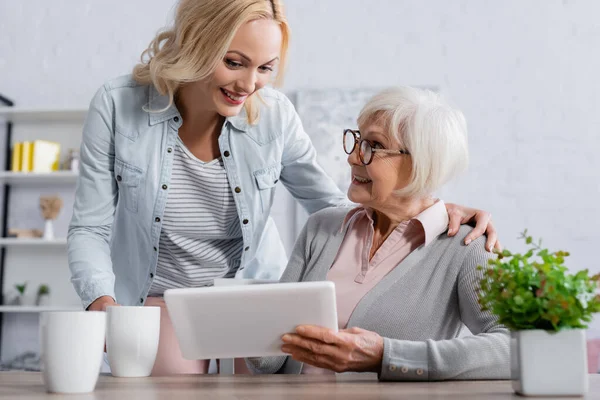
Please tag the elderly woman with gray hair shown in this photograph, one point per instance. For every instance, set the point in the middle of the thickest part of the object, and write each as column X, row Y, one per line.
column 404, row 289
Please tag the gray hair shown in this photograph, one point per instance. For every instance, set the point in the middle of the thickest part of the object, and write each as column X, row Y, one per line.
column 432, row 131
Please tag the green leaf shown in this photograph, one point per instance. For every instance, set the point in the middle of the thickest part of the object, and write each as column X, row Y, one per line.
column 536, row 291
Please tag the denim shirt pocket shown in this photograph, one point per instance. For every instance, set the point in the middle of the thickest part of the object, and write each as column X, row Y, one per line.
column 266, row 181
column 128, row 179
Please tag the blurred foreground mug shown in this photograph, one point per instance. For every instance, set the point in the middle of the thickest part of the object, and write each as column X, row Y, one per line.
column 72, row 344
column 132, row 335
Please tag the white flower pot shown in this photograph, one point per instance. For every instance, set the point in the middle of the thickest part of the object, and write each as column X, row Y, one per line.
column 549, row 364
column 43, row 300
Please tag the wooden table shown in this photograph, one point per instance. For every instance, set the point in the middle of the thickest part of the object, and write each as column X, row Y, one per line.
column 29, row 385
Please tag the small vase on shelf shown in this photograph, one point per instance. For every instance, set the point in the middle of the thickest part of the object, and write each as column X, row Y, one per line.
column 50, row 206
column 19, row 300
column 48, row 230
column 43, row 296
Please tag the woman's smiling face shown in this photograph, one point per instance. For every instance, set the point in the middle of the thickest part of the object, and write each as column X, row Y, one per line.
column 374, row 185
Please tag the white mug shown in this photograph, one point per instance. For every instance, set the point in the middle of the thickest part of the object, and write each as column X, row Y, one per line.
column 132, row 335
column 72, row 350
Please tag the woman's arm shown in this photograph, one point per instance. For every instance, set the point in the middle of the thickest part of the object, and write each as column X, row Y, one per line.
column 301, row 174
column 94, row 208
column 485, row 355
column 482, row 356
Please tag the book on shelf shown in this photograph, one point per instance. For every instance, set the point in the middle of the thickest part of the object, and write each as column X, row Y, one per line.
column 17, row 155
column 26, row 150
column 41, row 156
column 45, row 156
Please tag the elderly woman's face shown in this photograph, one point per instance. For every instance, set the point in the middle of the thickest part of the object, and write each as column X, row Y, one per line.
column 373, row 185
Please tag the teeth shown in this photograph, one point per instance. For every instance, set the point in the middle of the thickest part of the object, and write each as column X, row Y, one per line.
column 232, row 97
column 362, row 180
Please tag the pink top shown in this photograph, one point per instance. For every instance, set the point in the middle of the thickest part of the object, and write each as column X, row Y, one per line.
column 355, row 275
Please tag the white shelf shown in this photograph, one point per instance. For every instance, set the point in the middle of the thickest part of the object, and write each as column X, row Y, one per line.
column 37, row 309
column 23, row 242
column 33, row 178
column 37, row 115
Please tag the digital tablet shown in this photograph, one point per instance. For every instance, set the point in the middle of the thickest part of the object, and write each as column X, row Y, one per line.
column 236, row 321
column 237, row 281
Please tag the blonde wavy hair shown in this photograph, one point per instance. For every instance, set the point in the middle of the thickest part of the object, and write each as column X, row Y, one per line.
column 193, row 47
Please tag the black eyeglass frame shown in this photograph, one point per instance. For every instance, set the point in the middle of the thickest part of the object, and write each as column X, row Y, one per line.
column 363, row 142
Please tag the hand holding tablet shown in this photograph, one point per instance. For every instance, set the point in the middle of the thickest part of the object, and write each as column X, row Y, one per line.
column 247, row 320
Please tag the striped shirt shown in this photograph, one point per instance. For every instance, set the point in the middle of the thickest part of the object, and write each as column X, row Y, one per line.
column 201, row 236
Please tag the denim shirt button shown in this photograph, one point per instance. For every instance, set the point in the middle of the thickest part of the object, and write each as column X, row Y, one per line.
column 176, row 119
column 151, row 275
column 238, row 189
column 247, row 248
column 226, row 153
column 119, row 178
column 141, row 300
column 245, row 221
column 157, row 219
column 164, row 187
column 169, row 150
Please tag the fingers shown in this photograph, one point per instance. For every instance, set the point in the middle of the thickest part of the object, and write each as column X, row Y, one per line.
column 498, row 246
column 492, row 237
column 454, row 220
column 101, row 303
column 482, row 219
column 308, row 357
column 319, row 333
column 312, row 345
column 354, row 330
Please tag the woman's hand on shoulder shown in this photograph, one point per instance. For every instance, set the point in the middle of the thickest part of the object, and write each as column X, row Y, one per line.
column 481, row 220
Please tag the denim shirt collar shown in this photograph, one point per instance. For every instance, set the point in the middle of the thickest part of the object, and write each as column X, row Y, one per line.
column 157, row 101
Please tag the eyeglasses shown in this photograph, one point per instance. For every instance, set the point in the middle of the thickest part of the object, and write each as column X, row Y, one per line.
column 365, row 148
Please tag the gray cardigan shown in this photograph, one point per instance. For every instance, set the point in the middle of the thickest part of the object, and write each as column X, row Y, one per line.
column 418, row 308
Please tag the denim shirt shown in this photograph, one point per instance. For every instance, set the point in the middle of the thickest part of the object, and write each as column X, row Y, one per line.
column 125, row 171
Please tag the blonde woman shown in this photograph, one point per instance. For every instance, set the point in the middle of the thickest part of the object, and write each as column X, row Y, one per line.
column 404, row 288
column 179, row 164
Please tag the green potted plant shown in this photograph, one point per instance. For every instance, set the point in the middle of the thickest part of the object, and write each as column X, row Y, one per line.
column 21, row 287
column 547, row 310
column 43, row 295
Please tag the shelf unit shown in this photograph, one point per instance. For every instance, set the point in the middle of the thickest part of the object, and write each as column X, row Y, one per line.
column 42, row 115
column 26, row 242
column 6, row 189
column 35, row 119
column 36, row 309
column 33, row 178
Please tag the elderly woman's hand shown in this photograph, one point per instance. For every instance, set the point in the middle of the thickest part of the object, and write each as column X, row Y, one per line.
column 351, row 349
column 482, row 220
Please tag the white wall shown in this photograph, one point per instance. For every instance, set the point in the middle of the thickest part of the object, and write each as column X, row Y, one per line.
column 525, row 73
